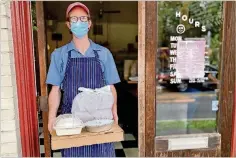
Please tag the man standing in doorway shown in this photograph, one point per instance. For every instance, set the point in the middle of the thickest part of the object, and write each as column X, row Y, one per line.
column 70, row 64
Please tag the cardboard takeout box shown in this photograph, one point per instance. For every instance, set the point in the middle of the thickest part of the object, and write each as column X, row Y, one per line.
column 115, row 134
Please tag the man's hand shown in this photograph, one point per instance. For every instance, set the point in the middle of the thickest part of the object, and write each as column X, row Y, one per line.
column 114, row 107
column 50, row 124
column 114, row 112
column 54, row 102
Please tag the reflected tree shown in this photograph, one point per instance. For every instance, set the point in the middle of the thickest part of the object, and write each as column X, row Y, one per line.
column 208, row 13
column 33, row 14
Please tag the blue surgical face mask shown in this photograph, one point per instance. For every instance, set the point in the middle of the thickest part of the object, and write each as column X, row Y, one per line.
column 79, row 29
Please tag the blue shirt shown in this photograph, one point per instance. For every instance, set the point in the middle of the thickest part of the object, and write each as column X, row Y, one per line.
column 59, row 59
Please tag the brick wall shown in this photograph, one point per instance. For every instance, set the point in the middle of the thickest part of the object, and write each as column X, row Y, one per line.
column 10, row 133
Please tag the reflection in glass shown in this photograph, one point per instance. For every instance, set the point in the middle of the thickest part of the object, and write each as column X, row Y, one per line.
column 187, row 67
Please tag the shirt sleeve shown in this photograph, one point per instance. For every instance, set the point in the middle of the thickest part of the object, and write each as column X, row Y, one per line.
column 53, row 77
column 111, row 73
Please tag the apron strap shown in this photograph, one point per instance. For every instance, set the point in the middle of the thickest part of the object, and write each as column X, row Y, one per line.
column 96, row 54
column 69, row 55
column 101, row 63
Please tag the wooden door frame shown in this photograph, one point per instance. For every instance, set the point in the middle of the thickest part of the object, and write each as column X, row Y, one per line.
column 146, row 87
column 147, row 47
column 22, row 34
column 228, row 94
column 42, row 54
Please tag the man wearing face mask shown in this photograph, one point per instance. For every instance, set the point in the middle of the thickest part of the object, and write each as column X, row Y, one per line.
column 80, row 63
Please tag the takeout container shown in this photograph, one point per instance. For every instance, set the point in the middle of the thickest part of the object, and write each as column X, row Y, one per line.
column 115, row 134
column 69, row 131
column 67, row 124
column 99, row 125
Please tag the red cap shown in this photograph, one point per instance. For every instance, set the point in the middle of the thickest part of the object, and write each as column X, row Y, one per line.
column 76, row 4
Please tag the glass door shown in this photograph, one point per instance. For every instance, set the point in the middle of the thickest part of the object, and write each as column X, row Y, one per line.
column 187, row 66
column 186, row 89
column 189, row 79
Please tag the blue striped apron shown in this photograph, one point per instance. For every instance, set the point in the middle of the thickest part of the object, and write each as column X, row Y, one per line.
column 83, row 72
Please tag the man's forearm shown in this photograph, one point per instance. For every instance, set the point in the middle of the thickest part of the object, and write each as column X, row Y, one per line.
column 54, row 101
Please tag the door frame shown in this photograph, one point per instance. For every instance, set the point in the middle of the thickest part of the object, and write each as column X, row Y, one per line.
column 147, row 56
column 147, row 47
column 28, row 103
column 42, row 55
column 228, row 81
column 22, row 32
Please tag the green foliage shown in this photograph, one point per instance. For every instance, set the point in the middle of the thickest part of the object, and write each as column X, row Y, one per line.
column 33, row 13
column 167, row 21
column 210, row 15
column 206, row 12
column 215, row 47
column 190, row 124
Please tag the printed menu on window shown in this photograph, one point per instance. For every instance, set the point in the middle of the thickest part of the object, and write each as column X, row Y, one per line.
column 190, row 62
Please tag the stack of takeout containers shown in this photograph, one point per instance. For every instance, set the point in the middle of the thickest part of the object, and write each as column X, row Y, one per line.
column 68, row 124
column 71, row 131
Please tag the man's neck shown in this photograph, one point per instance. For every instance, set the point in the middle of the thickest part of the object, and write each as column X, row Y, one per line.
column 81, row 44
